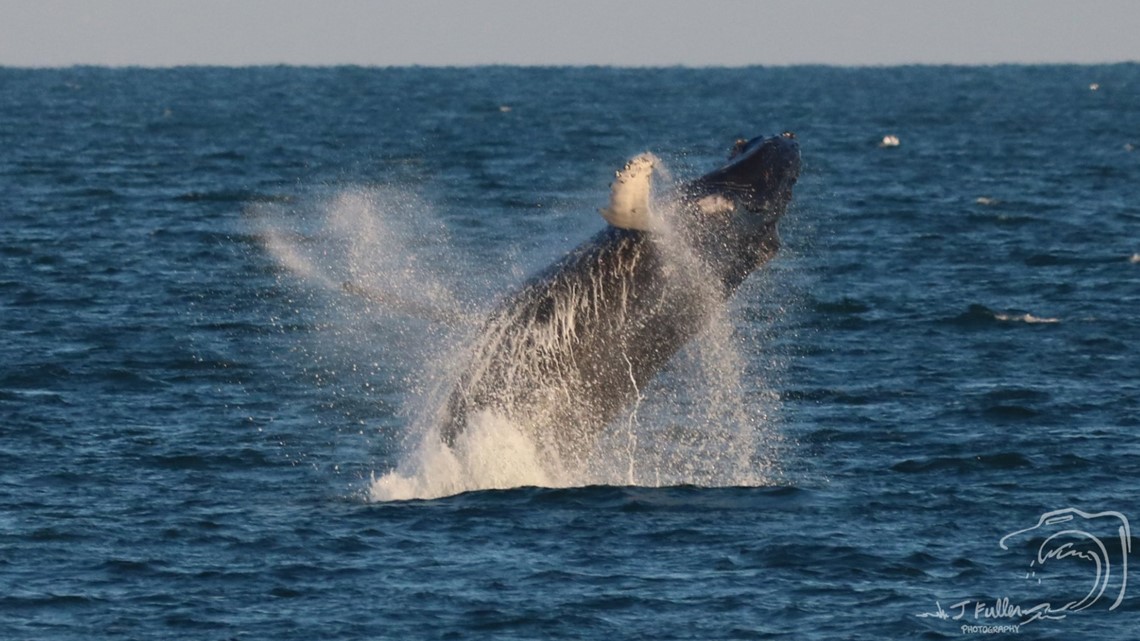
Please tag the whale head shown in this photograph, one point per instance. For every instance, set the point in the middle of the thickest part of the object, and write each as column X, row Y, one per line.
column 756, row 182
column 733, row 210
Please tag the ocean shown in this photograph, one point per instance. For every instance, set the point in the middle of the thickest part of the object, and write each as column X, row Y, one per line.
column 232, row 299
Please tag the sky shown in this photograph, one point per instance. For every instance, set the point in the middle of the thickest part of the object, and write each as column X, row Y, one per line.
column 159, row 33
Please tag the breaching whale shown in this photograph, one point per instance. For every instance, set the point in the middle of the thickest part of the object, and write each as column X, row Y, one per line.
column 571, row 348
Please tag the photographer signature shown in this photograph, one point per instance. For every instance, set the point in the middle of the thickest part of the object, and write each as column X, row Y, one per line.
column 1065, row 529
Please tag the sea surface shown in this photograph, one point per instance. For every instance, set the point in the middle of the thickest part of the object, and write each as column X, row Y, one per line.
column 230, row 301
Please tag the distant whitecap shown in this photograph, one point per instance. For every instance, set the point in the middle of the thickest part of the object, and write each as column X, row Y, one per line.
column 1025, row 318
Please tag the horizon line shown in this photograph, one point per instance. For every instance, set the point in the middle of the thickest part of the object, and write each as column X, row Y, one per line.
column 591, row 65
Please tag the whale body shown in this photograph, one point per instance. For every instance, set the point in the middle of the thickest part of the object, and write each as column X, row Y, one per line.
column 573, row 347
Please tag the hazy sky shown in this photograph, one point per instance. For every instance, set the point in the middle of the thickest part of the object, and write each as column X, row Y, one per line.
column 609, row 32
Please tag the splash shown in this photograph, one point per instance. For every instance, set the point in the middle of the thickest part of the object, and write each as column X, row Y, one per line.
column 369, row 243
column 696, row 423
column 492, row 454
column 380, row 261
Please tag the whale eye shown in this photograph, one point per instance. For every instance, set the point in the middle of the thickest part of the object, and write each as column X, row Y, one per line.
column 789, row 134
column 737, row 148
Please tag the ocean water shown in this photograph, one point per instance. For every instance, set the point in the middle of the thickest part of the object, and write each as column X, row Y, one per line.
column 231, row 299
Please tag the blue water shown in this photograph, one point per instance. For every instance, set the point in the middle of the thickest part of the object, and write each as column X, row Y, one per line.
column 195, row 418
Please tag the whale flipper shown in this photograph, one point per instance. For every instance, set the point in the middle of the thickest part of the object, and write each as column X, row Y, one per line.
column 629, row 195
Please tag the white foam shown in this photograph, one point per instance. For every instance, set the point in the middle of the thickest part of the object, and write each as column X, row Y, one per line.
column 491, row 453
column 1025, row 318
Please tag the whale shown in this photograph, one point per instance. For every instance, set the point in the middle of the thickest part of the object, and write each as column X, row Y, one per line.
column 573, row 347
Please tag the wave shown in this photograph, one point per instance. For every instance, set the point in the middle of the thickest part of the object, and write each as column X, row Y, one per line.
column 964, row 464
column 977, row 315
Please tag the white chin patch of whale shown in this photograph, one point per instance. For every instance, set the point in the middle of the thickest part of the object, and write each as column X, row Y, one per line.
column 715, row 204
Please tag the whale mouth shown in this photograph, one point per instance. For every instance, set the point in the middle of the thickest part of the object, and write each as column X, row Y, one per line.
column 758, row 177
